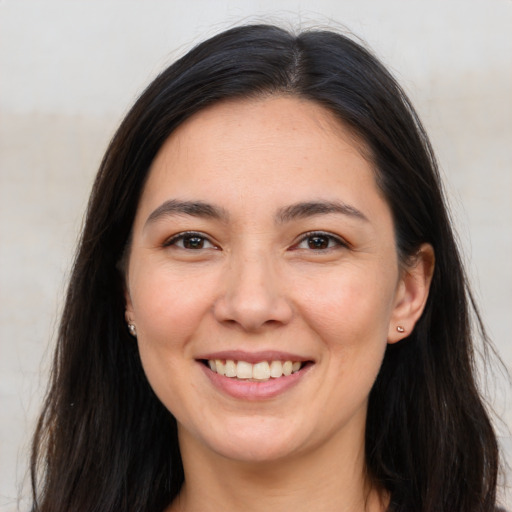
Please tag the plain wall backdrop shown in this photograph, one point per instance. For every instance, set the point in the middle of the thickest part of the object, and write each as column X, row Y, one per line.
column 69, row 70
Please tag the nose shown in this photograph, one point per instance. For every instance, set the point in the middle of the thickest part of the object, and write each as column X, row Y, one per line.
column 253, row 295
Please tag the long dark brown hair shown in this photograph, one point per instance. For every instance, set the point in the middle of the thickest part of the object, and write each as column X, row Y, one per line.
column 105, row 443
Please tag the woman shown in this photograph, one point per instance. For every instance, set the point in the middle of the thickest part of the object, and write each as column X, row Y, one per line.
column 267, row 309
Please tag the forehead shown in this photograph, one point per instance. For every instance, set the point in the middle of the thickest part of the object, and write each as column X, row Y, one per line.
column 277, row 149
column 265, row 120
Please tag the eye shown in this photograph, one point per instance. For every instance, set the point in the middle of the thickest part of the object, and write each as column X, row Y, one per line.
column 190, row 240
column 319, row 241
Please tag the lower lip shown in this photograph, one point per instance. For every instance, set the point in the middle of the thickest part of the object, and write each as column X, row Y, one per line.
column 252, row 390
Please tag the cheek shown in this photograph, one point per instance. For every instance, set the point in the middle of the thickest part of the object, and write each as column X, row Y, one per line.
column 168, row 305
column 168, row 308
column 349, row 306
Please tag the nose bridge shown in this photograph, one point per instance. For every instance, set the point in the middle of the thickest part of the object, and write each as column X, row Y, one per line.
column 253, row 291
column 252, row 275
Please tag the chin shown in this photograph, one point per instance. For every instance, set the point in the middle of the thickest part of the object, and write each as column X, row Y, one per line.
column 262, row 440
column 254, row 451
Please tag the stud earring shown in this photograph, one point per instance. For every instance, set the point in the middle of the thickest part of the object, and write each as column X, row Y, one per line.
column 133, row 331
column 399, row 328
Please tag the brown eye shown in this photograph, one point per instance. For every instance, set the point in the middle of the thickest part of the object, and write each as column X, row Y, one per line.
column 193, row 242
column 318, row 242
column 190, row 241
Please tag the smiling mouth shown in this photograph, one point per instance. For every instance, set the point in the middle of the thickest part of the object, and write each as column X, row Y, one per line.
column 258, row 372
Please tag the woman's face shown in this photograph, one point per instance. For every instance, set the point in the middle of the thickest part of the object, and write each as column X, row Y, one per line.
column 262, row 245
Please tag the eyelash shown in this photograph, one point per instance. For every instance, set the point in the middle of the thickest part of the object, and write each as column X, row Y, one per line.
column 187, row 235
column 339, row 242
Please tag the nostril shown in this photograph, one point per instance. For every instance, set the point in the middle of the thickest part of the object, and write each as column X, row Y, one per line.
column 252, row 302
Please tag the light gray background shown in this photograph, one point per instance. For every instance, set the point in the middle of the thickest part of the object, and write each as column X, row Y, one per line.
column 69, row 70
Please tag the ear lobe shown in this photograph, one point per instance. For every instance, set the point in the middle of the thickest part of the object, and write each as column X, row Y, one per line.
column 412, row 294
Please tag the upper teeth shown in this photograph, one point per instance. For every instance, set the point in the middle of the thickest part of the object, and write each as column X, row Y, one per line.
column 259, row 371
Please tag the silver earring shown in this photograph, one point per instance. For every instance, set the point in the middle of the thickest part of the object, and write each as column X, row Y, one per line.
column 133, row 331
column 399, row 328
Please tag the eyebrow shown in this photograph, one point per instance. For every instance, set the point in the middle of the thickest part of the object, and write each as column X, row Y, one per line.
column 191, row 208
column 287, row 214
column 312, row 208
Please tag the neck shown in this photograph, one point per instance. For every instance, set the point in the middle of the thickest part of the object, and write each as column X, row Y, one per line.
column 326, row 478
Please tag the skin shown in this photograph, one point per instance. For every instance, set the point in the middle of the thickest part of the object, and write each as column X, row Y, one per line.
column 256, row 281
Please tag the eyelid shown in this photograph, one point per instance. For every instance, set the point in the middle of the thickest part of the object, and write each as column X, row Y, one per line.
column 183, row 234
column 341, row 242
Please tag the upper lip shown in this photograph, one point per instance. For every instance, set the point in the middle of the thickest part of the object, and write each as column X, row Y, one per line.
column 253, row 357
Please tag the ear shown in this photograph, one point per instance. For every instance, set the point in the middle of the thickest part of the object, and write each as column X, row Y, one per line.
column 128, row 312
column 411, row 294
